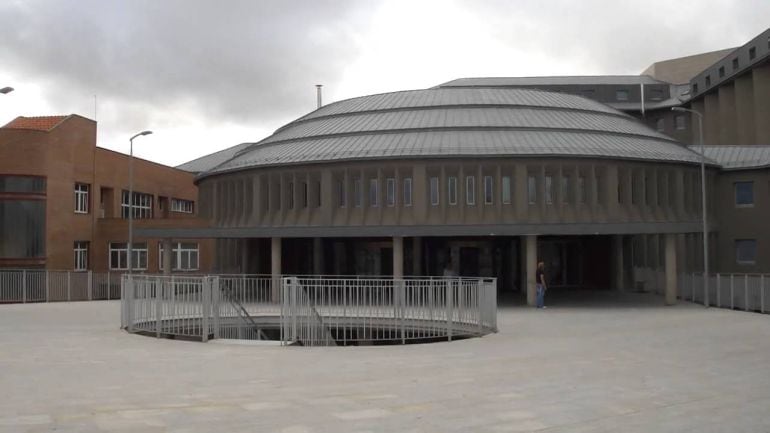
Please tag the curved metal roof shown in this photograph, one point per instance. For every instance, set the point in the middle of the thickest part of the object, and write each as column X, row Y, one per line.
column 459, row 122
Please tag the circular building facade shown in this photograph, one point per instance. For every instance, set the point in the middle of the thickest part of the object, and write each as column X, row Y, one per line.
column 459, row 181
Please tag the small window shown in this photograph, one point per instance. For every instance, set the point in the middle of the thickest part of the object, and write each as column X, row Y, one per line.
column 548, row 190
column 735, row 64
column 488, row 190
column 342, row 194
column 81, row 198
column 660, row 125
column 752, row 53
column 303, row 198
column 744, row 194
column 407, row 191
column 588, row 93
column 470, row 190
column 358, row 192
column 565, row 189
column 434, row 191
column 695, row 88
column 141, row 205
column 81, row 256
column 506, row 190
column 581, row 189
column 656, row 95
column 708, row 80
column 374, row 193
column 390, row 192
column 745, row 251
column 452, row 190
column 721, row 71
column 680, row 122
column 290, row 193
column 532, row 189
column 621, row 95
column 182, row 206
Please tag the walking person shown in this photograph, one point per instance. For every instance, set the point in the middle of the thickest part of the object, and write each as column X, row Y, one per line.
column 540, row 285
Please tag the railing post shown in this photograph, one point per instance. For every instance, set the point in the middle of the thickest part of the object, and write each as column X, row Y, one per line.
column 47, row 299
column 127, row 282
column 23, row 286
column 449, row 283
column 90, row 286
column 158, row 306
column 762, row 293
column 745, row 292
column 344, row 310
column 69, row 286
column 205, row 309
column 719, row 290
column 109, row 285
column 480, row 286
column 732, row 291
column 215, row 304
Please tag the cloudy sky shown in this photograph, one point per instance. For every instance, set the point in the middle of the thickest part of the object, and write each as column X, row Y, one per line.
column 206, row 75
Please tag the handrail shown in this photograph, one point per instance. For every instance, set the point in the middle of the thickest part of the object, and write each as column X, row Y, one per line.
column 242, row 313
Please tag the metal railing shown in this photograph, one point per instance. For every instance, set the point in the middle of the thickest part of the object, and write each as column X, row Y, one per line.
column 30, row 285
column 310, row 311
column 747, row 292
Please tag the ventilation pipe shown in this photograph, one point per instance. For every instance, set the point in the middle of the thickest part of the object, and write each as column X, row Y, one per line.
column 318, row 92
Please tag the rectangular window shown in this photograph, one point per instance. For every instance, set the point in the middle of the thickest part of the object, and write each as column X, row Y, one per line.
column 434, row 191
column 745, row 251
column 141, row 205
column 735, row 64
column 452, row 190
column 22, row 228
column 506, row 190
column 182, row 206
column 290, row 192
column 374, row 193
column 565, row 189
column 660, row 125
column 656, row 95
column 22, row 184
column 621, row 95
column 488, row 190
column 695, row 88
column 532, row 189
column 721, row 71
column 303, row 202
column 317, row 193
column 342, row 194
column 184, row 256
column 81, row 198
column 581, row 189
column 744, row 193
column 358, row 192
column 708, row 80
column 81, row 256
column 752, row 53
column 119, row 256
column 548, row 190
column 407, row 191
column 470, row 190
column 390, row 191
column 679, row 121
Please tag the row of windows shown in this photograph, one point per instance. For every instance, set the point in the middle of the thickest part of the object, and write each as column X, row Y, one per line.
column 736, row 64
column 184, row 256
column 680, row 123
column 142, row 204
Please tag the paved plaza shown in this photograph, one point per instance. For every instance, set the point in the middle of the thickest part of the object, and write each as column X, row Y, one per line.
column 618, row 363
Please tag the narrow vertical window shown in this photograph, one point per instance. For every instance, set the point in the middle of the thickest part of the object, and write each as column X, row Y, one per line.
column 434, row 191
column 548, row 190
column 81, row 256
column 407, row 191
column 358, row 192
column 581, row 189
column 488, row 190
column 342, row 196
column 452, row 190
column 303, row 195
column 374, row 193
column 291, row 195
column 532, row 189
column 470, row 190
column 565, row 189
column 81, row 198
column 390, row 192
column 506, row 190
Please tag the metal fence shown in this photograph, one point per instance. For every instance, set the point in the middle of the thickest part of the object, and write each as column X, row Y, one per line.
column 29, row 285
column 311, row 311
column 747, row 292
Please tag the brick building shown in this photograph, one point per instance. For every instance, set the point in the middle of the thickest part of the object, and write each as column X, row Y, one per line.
column 64, row 202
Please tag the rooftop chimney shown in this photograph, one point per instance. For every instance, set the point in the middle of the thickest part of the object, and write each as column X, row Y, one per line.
column 318, row 91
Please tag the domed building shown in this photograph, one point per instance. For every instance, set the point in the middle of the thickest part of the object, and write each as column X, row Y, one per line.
column 457, row 181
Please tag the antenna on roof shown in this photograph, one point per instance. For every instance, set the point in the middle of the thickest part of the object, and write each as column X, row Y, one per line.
column 318, row 93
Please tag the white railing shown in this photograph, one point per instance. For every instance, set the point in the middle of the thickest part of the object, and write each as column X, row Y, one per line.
column 310, row 311
column 31, row 285
column 747, row 292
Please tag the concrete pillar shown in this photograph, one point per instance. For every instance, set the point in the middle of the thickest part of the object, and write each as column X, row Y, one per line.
column 728, row 134
column 523, row 264
column 318, row 256
column 618, row 273
column 761, row 83
column 744, row 110
column 514, row 257
column 671, row 272
column 711, row 121
column 167, row 251
column 398, row 257
column 530, row 247
column 275, row 267
column 417, row 256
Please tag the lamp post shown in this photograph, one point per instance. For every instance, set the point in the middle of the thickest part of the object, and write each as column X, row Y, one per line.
column 6, row 90
column 703, row 201
column 131, row 198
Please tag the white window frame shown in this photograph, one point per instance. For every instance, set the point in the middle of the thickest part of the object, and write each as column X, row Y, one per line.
column 138, row 250
column 81, row 197
column 434, row 191
column 141, row 206
column 470, row 190
column 565, row 195
column 407, row 191
column 181, row 253
column 390, row 192
column 182, row 206
column 374, row 192
column 489, row 190
column 452, row 190
column 532, row 189
column 505, row 190
column 358, row 192
column 548, row 188
column 80, row 250
column 342, row 199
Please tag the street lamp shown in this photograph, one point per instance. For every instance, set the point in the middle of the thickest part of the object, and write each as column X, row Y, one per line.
column 703, row 199
column 131, row 198
column 6, row 90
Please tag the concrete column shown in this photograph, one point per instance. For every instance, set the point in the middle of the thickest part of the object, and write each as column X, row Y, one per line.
column 417, row 256
column 744, row 110
column 275, row 267
column 318, row 256
column 711, row 122
column 167, row 250
column 671, row 276
column 761, row 83
column 398, row 257
column 530, row 244
column 514, row 264
column 728, row 133
column 523, row 264
column 618, row 274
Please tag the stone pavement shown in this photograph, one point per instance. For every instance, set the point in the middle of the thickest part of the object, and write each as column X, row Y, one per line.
column 620, row 364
